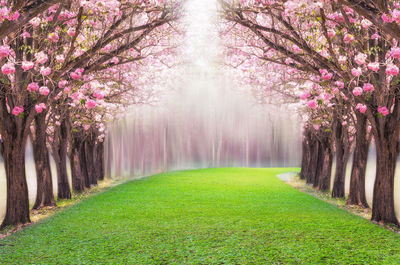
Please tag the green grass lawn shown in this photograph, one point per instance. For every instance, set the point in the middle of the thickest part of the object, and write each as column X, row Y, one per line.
column 212, row 216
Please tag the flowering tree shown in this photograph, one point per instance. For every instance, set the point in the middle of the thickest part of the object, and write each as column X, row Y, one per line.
column 51, row 56
column 353, row 60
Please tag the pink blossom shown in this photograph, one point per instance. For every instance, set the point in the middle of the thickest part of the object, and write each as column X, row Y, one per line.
column 306, row 94
column 387, row 18
column 348, row 38
column 60, row 58
column 312, row 104
column 331, row 33
column 62, row 83
column 392, row 69
column 365, row 23
column 14, row 16
column 41, row 57
column 35, row 22
column 357, row 91
column 45, row 71
column 77, row 74
column 86, row 127
column 90, row 104
column 8, row 68
column 17, row 110
column 367, row 87
column 383, row 110
column 54, row 37
column 325, row 74
column 67, row 89
column 360, row 58
column 44, row 90
column 342, row 59
column 27, row 65
column 33, row 87
column 335, row 90
column 373, row 66
column 356, row 72
column 40, row 107
column 71, row 32
column 5, row 50
column 395, row 52
column 98, row 94
column 25, row 34
column 340, row 84
column 375, row 36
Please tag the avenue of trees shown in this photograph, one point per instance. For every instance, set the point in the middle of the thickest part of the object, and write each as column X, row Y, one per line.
column 341, row 59
column 68, row 68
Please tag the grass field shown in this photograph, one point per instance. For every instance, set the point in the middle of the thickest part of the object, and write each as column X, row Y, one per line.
column 211, row 216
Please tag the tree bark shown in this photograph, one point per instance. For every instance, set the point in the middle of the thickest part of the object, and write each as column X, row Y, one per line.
column 17, row 207
column 357, row 180
column 313, row 164
column 89, row 147
column 83, row 164
column 44, row 192
column 99, row 160
column 342, row 157
column 383, row 198
column 324, row 165
column 78, row 181
column 108, row 165
column 306, row 156
column 59, row 152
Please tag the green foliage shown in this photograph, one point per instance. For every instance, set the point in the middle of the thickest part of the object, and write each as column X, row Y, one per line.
column 212, row 216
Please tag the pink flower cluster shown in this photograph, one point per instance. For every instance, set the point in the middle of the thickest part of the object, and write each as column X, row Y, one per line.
column 77, row 74
column 40, row 107
column 17, row 110
column 383, row 110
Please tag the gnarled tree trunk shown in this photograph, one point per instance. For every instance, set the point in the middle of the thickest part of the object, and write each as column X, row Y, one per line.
column 44, row 192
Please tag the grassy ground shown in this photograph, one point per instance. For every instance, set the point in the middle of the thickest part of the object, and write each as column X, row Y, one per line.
column 213, row 216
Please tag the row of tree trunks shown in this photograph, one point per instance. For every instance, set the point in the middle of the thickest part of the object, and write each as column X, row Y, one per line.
column 317, row 158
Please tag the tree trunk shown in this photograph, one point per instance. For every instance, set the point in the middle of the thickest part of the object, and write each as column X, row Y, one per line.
column 383, row 198
column 99, row 160
column 89, row 156
column 313, row 164
column 83, row 164
column 306, row 156
column 108, row 165
column 359, row 167
column 324, row 165
column 44, row 191
column 17, row 207
column 78, row 181
column 342, row 157
column 60, row 158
